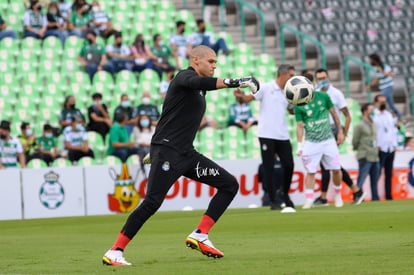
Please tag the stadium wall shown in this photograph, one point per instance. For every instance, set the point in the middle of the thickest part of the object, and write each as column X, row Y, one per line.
column 106, row 189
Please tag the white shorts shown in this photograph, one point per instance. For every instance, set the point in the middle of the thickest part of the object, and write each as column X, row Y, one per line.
column 325, row 152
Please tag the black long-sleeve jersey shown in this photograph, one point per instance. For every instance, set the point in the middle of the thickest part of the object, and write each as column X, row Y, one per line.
column 183, row 109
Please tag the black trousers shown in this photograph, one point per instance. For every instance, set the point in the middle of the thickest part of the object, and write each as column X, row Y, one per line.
column 283, row 148
column 75, row 155
column 387, row 162
column 167, row 165
column 326, row 178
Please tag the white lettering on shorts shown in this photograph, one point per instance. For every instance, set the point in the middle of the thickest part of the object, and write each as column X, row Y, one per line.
column 205, row 171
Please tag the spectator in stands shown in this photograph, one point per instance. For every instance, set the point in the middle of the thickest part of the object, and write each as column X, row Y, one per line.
column 162, row 54
column 80, row 3
column 27, row 140
column 164, row 84
column 143, row 57
column 386, row 140
column 364, row 142
column 47, row 145
column 143, row 132
column 93, row 57
column 241, row 114
column 101, row 23
column 76, row 140
column 118, row 142
column 79, row 19
column 383, row 78
column 69, row 110
column 64, row 9
column 130, row 113
column 178, row 42
column 56, row 25
column 207, row 122
column 120, row 55
column 99, row 120
column 211, row 6
column 201, row 37
column 35, row 23
column 146, row 108
column 4, row 32
column 11, row 151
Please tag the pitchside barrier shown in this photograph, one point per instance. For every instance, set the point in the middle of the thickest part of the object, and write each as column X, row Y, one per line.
column 111, row 189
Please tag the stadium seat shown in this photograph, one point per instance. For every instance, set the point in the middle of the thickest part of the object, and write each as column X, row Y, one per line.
column 86, row 161
column 11, row 45
column 133, row 159
column 111, row 160
column 96, row 143
column 36, row 164
column 61, row 163
column 103, row 83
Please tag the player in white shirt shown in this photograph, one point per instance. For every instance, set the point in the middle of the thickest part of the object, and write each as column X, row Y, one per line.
column 387, row 140
column 340, row 107
column 273, row 134
column 178, row 42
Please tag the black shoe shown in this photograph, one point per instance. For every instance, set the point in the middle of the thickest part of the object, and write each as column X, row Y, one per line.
column 275, row 206
column 359, row 197
column 288, row 201
column 320, row 202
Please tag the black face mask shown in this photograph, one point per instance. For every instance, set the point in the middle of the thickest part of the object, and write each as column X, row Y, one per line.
column 89, row 41
column 72, row 106
column 383, row 106
column 118, row 44
column 182, row 31
column 3, row 136
column 203, row 29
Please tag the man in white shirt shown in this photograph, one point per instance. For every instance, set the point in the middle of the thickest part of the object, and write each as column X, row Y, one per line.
column 120, row 55
column 273, row 134
column 76, row 141
column 178, row 42
column 340, row 107
column 387, row 140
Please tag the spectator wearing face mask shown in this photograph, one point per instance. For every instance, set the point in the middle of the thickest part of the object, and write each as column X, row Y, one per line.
column 178, row 42
column 143, row 57
column 11, row 151
column 120, row 55
column 56, row 25
column 93, row 57
column 146, row 108
column 76, row 140
column 99, row 120
column 163, row 53
column 101, row 22
column 27, row 140
column 64, row 9
column 142, row 133
column 35, row 23
column 47, row 149
column 130, row 113
column 79, row 19
column 69, row 110
column 201, row 37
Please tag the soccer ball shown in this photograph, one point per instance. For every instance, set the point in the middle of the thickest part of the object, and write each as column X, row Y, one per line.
column 298, row 90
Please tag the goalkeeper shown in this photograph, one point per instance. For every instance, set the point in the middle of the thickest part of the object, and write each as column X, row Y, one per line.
column 173, row 155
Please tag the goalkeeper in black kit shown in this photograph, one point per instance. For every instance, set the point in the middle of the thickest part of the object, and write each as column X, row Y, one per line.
column 172, row 154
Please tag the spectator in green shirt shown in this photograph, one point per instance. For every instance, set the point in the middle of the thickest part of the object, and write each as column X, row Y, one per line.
column 69, row 110
column 93, row 57
column 118, row 143
column 47, row 145
column 163, row 53
column 79, row 20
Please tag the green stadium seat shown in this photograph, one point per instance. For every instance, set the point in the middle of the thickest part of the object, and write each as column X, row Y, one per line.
column 12, row 46
column 86, row 162
column 36, row 164
column 61, row 163
column 103, row 83
column 145, row 6
column 242, row 49
column 9, row 78
column 97, row 144
column 74, row 42
column 188, row 17
column 133, row 159
column 17, row 8
column 111, row 160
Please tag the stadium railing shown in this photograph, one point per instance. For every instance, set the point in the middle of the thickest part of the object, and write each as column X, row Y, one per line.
column 367, row 74
column 302, row 37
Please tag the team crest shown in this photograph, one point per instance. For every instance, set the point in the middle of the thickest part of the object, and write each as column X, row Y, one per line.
column 51, row 193
column 264, row 147
column 165, row 166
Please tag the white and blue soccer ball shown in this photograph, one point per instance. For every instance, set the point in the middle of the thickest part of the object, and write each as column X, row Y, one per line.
column 298, row 90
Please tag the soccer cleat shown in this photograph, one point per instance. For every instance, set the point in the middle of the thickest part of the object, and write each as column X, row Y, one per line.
column 201, row 243
column 338, row 201
column 320, row 202
column 359, row 197
column 115, row 258
column 308, row 204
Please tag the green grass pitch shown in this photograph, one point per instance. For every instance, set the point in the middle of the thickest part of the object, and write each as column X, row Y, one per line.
column 373, row 238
